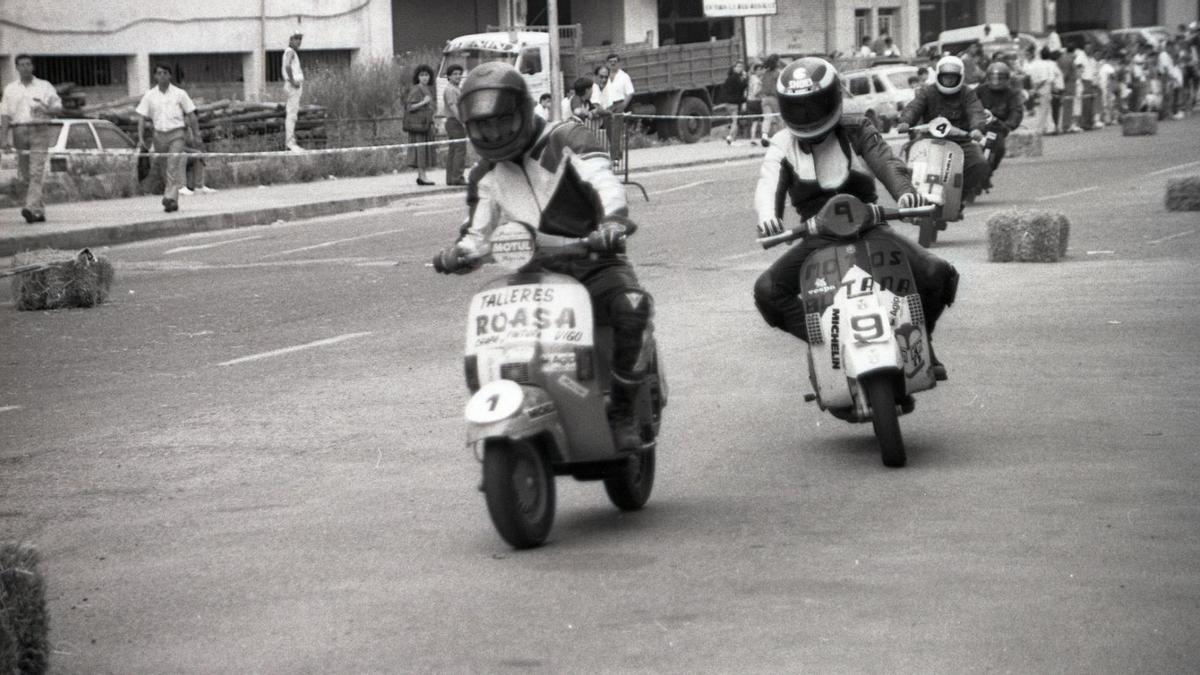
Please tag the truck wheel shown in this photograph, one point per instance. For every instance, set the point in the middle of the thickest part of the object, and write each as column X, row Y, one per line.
column 630, row 490
column 881, row 396
column 518, row 486
column 694, row 123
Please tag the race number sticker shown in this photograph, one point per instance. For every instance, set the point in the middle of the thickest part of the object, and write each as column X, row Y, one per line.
column 546, row 313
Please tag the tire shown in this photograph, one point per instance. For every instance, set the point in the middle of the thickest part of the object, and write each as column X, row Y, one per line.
column 631, row 490
column 928, row 232
column 694, row 123
column 518, row 486
column 881, row 395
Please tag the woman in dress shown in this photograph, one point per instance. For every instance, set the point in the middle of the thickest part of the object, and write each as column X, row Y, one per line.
column 420, row 100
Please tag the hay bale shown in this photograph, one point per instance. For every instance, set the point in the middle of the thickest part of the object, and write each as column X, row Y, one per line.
column 1139, row 124
column 1183, row 194
column 49, row 279
column 1023, row 143
column 1026, row 235
column 24, row 623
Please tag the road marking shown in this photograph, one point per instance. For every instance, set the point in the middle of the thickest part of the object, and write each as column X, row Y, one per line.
column 683, row 187
column 739, row 256
column 1177, row 235
column 1067, row 194
column 1100, row 252
column 197, row 247
column 296, row 348
column 1169, row 169
column 708, row 166
column 335, row 242
column 9, row 408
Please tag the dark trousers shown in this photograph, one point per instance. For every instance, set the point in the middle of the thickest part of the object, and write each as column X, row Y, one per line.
column 976, row 169
column 456, row 153
column 777, row 291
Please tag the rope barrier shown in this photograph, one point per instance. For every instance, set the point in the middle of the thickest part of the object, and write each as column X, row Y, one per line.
column 198, row 154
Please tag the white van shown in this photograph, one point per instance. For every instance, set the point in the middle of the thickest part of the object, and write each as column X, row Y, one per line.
column 958, row 40
column 528, row 51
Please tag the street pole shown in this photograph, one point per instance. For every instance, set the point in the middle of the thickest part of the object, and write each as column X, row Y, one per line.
column 556, row 93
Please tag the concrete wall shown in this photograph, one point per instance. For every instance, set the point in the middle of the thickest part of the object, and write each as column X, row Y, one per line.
column 601, row 21
column 138, row 30
column 824, row 26
column 641, row 16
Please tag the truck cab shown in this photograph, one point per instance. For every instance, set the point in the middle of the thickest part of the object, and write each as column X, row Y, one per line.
column 528, row 51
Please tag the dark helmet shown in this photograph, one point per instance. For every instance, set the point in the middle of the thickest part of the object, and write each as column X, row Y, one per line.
column 810, row 97
column 949, row 74
column 998, row 76
column 497, row 110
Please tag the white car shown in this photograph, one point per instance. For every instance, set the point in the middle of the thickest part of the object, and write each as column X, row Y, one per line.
column 880, row 93
column 69, row 143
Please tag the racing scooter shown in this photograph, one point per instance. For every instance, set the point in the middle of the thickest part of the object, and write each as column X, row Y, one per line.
column 867, row 347
column 936, row 166
column 540, row 377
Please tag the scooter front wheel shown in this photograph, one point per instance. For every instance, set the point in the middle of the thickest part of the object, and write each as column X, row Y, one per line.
column 630, row 489
column 881, row 396
column 518, row 485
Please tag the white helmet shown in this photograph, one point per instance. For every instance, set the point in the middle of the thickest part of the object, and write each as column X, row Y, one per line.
column 949, row 75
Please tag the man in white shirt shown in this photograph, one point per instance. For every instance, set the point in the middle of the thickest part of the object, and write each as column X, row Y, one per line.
column 293, row 77
column 1044, row 77
column 28, row 105
column 173, row 115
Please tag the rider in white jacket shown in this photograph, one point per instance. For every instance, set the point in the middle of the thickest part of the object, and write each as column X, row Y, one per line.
column 558, row 179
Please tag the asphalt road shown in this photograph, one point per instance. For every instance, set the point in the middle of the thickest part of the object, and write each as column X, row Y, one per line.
column 207, row 498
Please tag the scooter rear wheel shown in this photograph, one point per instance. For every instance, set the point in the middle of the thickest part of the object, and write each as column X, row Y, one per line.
column 518, row 485
column 630, row 490
column 881, row 396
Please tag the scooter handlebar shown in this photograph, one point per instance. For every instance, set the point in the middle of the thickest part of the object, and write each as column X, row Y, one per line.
column 783, row 237
column 879, row 214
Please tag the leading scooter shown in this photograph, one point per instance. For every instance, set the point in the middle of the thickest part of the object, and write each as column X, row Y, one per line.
column 539, row 373
column 935, row 162
column 867, row 347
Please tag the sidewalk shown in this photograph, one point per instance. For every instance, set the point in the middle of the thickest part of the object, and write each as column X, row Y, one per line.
column 115, row 221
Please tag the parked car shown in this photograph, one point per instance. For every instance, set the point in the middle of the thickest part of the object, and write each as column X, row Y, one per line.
column 1098, row 39
column 880, row 93
column 1151, row 35
column 69, row 143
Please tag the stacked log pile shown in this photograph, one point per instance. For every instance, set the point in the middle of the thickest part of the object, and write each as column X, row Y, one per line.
column 225, row 119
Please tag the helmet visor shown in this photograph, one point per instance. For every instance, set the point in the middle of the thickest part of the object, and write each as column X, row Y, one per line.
column 811, row 111
column 949, row 80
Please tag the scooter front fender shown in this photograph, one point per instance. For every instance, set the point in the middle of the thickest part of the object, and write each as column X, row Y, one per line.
column 503, row 409
column 863, row 358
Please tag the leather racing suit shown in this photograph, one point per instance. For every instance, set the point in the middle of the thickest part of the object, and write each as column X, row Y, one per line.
column 563, row 185
column 964, row 111
column 847, row 161
column 1005, row 104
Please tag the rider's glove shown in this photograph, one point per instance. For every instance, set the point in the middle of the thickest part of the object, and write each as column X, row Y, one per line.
column 609, row 238
column 770, row 227
column 976, row 135
column 902, row 128
column 450, row 261
column 910, row 200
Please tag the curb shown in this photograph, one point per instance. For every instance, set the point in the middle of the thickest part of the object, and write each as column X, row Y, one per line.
column 109, row 235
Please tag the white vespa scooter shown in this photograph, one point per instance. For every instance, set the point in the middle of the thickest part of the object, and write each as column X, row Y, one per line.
column 867, row 352
column 936, row 165
column 538, row 370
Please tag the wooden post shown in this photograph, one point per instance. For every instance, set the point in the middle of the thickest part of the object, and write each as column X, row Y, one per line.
column 556, row 92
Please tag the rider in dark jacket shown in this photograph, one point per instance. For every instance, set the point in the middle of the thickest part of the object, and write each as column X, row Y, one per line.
column 555, row 177
column 1003, row 100
column 819, row 154
column 948, row 97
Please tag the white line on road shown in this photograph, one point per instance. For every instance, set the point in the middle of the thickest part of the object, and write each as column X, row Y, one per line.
column 197, row 247
column 1067, row 194
column 1169, row 169
column 439, row 211
column 9, row 408
column 1173, row 236
column 335, row 242
column 683, row 187
column 296, row 348
column 739, row 256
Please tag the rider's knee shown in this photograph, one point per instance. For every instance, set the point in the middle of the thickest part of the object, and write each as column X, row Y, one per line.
column 631, row 310
column 949, row 284
column 764, row 288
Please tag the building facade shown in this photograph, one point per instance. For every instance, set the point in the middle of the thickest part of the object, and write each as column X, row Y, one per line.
column 217, row 48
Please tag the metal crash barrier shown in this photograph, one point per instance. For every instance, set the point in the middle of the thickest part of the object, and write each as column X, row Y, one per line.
column 612, row 133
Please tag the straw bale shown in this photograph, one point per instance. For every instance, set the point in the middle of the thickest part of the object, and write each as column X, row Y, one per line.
column 1183, row 194
column 24, row 623
column 1023, row 143
column 1139, row 124
column 1026, row 235
column 58, row 279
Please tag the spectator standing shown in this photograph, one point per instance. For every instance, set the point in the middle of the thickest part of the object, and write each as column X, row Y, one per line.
column 865, row 50
column 418, row 115
column 608, row 104
column 770, row 98
column 542, row 109
column 889, row 48
column 456, row 153
column 1065, row 116
column 879, row 46
column 1044, row 77
column 754, row 99
column 1106, row 82
column 195, row 174
column 620, row 94
column 733, row 93
column 579, row 104
column 173, row 115
column 293, row 77
column 29, row 103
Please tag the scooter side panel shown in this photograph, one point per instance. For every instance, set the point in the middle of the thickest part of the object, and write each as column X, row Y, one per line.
column 937, row 173
column 893, row 276
column 819, row 281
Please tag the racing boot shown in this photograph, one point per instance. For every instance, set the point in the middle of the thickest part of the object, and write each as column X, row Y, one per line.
column 622, row 415
column 935, row 366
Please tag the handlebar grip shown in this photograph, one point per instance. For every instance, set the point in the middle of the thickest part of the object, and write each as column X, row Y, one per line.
column 926, row 210
column 781, row 238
